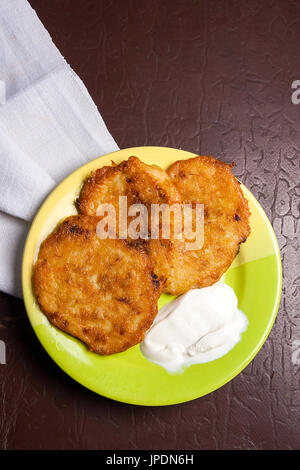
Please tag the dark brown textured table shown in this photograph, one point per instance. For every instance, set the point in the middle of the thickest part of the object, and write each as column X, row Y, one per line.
column 212, row 77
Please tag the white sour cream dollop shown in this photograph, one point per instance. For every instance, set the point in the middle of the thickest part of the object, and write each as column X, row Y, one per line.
column 199, row 326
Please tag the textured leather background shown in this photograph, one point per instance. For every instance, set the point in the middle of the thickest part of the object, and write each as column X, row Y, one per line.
column 212, row 77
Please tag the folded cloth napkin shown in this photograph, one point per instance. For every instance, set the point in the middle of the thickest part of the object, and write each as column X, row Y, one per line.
column 49, row 126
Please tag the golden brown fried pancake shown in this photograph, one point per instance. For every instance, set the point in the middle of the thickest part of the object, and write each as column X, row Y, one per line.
column 103, row 292
column 141, row 183
column 104, row 185
column 150, row 184
column 208, row 181
column 202, row 180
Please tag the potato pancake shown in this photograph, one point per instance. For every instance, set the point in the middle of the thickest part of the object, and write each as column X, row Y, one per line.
column 103, row 292
column 141, row 183
column 205, row 180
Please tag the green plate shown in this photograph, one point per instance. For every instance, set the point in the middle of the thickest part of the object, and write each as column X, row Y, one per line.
column 255, row 276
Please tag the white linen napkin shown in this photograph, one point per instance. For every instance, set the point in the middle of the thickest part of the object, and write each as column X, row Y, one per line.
column 49, row 126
